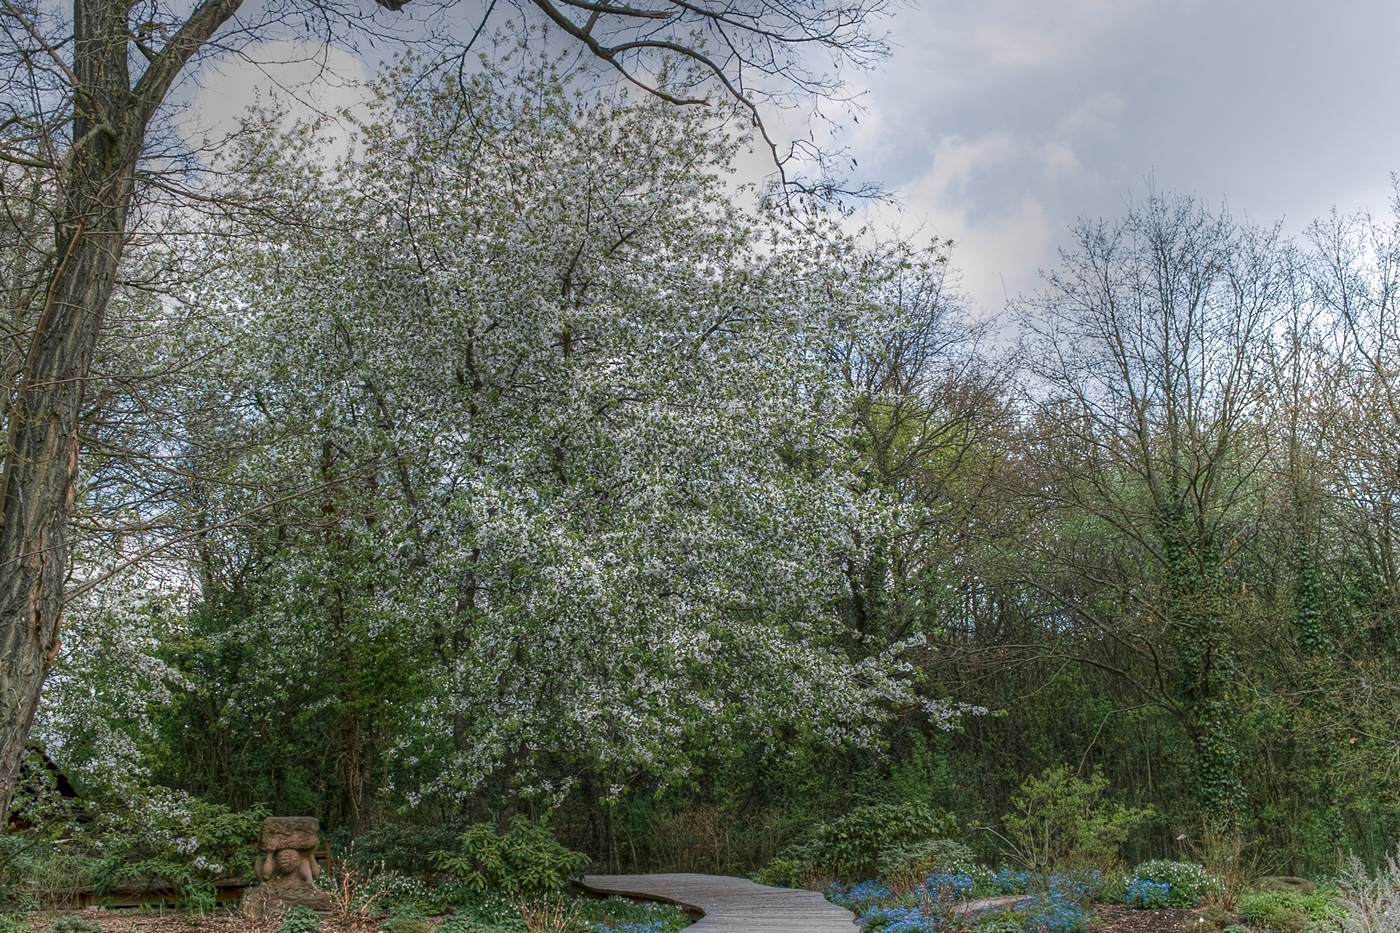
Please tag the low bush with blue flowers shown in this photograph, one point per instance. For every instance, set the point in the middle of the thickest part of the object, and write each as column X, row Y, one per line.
column 1011, row 881
column 1149, row 895
column 859, row 897
column 1055, row 903
column 1185, row 882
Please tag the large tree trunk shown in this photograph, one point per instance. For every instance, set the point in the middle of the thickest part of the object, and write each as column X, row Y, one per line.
column 40, row 470
column 41, row 475
column 41, row 465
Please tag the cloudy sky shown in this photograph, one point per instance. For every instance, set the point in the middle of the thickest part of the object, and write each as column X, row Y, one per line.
column 1000, row 122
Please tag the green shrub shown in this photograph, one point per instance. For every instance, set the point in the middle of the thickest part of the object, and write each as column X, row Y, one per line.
column 185, row 840
column 784, row 873
column 1002, row 921
column 149, row 834
column 1285, row 883
column 526, row 860
column 485, row 912
column 1288, row 910
column 1215, row 917
column 407, row 850
column 71, row 924
column 924, row 858
column 407, row 920
column 54, row 875
column 1112, row 887
column 1060, row 821
column 13, row 923
column 1187, row 882
column 851, row 848
column 300, row 919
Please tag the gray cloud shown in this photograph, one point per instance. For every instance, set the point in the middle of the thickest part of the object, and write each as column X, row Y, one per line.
column 1002, row 121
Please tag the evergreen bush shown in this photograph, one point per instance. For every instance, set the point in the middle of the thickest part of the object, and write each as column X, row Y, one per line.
column 853, row 847
column 527, row 859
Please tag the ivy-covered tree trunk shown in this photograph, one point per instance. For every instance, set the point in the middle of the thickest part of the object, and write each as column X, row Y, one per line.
column 1198, row 613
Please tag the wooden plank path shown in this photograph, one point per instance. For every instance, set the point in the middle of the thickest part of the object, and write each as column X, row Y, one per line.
column 733, row 905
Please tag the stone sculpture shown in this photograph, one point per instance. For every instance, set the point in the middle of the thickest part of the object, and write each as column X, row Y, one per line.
column 290, row 842
column 287, row 868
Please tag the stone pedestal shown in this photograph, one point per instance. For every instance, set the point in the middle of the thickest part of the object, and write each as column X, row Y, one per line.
column 287, row 868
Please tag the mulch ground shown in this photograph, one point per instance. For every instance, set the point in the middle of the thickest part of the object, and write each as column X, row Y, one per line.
column 1108, row 919
column 1113, row 918
column 142, row 921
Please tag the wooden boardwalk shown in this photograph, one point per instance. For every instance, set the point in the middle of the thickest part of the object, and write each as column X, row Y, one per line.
column 733, row 905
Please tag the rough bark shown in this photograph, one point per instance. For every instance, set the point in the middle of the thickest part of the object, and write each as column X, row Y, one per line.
column 39, row 474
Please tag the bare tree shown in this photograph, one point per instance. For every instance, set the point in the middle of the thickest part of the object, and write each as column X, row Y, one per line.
column 82, row 93
column 928, row 399
column 1151, row 344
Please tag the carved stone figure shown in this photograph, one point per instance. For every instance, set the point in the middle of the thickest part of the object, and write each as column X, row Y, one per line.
column 290, row 843
column 287, row 867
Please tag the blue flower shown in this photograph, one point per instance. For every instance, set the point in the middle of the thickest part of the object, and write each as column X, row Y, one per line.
column 946, row 888
column 1009, row 881
column 1054, row 913
column 858, row 896
column 639, row 926
column 905, row 920
column 1147, row 894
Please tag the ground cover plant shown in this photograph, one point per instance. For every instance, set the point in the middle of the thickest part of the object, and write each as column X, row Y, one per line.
column 1054, row 903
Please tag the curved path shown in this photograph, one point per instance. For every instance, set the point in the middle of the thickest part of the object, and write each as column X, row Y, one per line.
column 733, row 905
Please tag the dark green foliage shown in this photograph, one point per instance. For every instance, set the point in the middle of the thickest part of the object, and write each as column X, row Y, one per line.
column 401, row 847
column 71, row 924
column 527, row 859
column 188, row 844
column 923, row 858
column 299, row 919
column 1288, row 911
column 338, row 707
column 851, row 847
column 160, row 841
column 485, row 915
column 457, row 923
column 1000, row 922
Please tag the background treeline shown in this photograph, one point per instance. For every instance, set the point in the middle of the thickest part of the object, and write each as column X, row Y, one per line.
column 516, row 468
